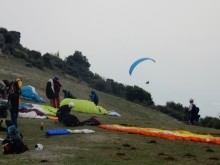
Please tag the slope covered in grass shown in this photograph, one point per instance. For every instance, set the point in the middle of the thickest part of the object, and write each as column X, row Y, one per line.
column 104, row 147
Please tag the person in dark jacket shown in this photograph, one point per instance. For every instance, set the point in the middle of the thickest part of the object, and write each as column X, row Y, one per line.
column 68, row 94
column 94, row 97
column 65, row 109
column 13, row 103
column 56, row 84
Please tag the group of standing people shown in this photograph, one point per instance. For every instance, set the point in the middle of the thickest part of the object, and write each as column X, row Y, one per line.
column 56, row 101
column 53, row 93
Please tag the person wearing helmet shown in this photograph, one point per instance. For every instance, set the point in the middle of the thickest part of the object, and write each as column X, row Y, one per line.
column 63, row 110
column 190, row 111
column 56, row 85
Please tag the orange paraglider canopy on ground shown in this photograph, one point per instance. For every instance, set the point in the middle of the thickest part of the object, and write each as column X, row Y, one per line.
column 166, row 134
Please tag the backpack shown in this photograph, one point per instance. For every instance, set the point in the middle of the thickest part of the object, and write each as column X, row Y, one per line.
column 49, row 91
column 13, row 143
column 195, row 109
column 13, row 133
column 96, row 100
column 93, row 121
column 195, row 112
column 70, row 95
column 70, row 120
column 11, row 147
column 3, row 111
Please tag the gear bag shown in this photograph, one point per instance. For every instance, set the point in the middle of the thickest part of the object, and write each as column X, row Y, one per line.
column 70, row 120
column 195, row 112
column 13, row 143
column 13, row 147
column 3, row 111
column 93, row 121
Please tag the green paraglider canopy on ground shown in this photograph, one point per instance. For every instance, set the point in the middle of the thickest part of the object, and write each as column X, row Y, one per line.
column 85, row 106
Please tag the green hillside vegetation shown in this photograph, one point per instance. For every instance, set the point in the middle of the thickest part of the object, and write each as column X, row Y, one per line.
column 77, row 66
column 104, row 146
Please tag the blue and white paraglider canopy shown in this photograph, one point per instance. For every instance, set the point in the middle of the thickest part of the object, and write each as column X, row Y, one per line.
column 137, row 62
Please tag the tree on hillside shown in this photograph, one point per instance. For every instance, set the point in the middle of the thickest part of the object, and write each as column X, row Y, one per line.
column 137, row 93
column 53, row 60
column 3, row 30
column 8, row 38
column 34, row 54
column 175, row 106
column 77, row 59
column 211, row 122
column 47, row 60
column 78, row 66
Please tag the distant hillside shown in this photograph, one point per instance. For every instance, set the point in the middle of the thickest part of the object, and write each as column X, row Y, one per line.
column 76, row 67
column 105, row 145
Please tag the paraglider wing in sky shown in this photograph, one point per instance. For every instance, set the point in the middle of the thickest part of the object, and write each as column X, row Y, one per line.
column 136, row 63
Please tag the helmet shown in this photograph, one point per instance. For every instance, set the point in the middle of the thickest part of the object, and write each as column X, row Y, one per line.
column 38, row 147
column 56, row 77
column 191, row 100
column 71, row 105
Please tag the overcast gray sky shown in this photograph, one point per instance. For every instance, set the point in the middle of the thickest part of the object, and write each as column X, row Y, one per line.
column 183, row 37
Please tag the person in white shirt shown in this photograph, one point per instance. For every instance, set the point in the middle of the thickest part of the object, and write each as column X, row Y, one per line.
column 190, row 111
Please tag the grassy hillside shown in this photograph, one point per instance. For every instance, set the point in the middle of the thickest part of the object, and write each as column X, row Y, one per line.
column 104, row 147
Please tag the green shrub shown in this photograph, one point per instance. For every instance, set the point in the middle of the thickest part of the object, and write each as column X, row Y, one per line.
column 3, row 30
column 8, row 38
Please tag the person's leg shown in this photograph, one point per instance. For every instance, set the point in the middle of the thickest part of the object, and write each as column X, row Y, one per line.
column 54, row 103
column 14, row 119
column 57, row 104
column 58, row 114
column 58, row 100
column 191, row 121
column 4, row 94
